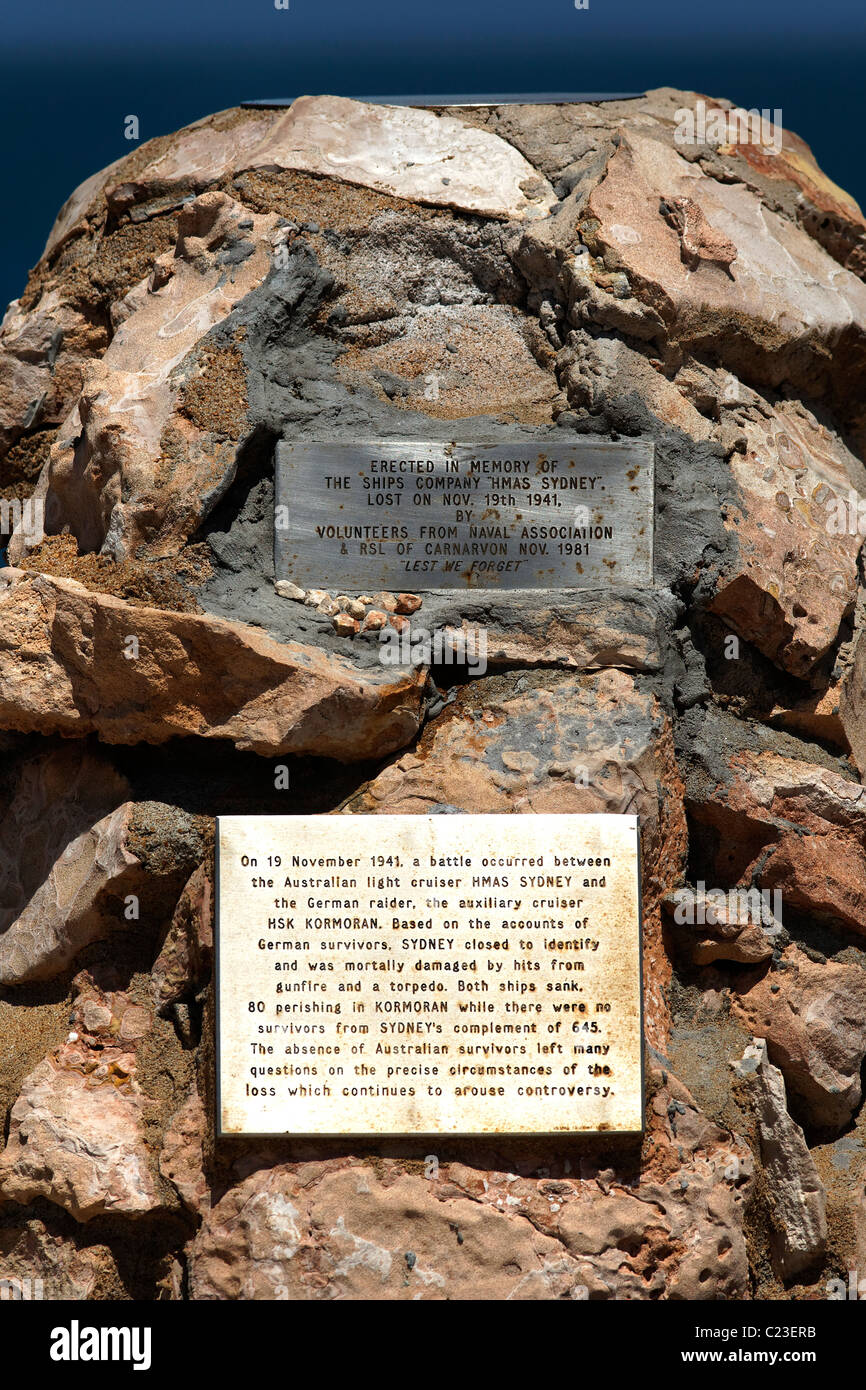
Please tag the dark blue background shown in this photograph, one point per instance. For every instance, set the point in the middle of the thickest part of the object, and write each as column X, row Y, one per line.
column 69, row 73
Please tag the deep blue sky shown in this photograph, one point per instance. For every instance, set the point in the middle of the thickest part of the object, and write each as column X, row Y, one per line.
column 69, row 73
column 240, row 22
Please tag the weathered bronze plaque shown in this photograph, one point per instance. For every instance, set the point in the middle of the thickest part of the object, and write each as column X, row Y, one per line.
column 465, row 974
column 407, row 515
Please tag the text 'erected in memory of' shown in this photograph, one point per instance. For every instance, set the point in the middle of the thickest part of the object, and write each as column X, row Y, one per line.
column 403, row 515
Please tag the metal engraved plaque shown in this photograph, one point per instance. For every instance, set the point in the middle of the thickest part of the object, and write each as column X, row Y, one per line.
column 407, row 515
column 465, row 974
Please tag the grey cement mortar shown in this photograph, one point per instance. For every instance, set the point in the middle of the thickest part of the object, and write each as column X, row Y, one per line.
column 294, row 393
column 706, row 737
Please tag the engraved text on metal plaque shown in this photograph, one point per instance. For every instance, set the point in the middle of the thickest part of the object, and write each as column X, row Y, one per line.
column 406, row 515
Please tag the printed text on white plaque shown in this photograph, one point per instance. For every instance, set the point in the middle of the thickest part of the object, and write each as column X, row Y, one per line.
column 419, row 974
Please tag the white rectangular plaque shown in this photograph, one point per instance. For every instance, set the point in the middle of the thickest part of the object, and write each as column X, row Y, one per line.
column 409, row 515
column 455, row 974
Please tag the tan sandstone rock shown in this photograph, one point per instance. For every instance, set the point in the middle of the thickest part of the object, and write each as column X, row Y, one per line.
column 79, row 1145
column 64, row 670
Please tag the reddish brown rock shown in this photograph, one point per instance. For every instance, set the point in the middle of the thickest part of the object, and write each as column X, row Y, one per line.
column 813, row 1018
column 816, row 718
column 799, row 826
column 345, row 625
column 181, row 1157
column 77, row 861
column 36, row 1264
column 407, row 604
column 698, row 239
column 774, row 327
column 536, row 743
column 64, row 858
column 79, row 1143
column 708, row 933
column 852, row 692
column 374, row 621
column 35, row 392
column 68, row 911
column 681, row 1227
column 375, row 1231
column 787, row 579
column 264, row 273
column 77, row 1131
column 184, row 962
column 825, row 210
column 795, row 577
column 64, row 670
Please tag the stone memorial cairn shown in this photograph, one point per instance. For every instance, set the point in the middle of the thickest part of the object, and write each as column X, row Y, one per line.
column 337, row 271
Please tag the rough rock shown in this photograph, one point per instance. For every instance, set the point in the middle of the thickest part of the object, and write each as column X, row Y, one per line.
column 34, row 394
column 67, row 911
column 78, row 1145
column 181, row 1158
column 787, row 578
column 534, row 744
column 797, row 828
column 797, row 1197
column 785, row 309
column 813, row 1018
column 364, row 1231
column 795, row 578
column 77, row 1131
column 143, row 430
column 712, row 931
column 851, row 692
column 517, row 274
column 76, row 1135
column 411, row 153
column 77, row 859
column 793, row 176
column 143, row 457
column 65, row 670
column 183, row 965
column 37, row 1263
column 816, row 717
column 63, row 854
